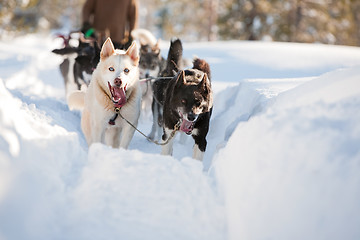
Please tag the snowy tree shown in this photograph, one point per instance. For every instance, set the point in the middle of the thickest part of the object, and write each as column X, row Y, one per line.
column 327, row 21
column 243, row 19
column 37, row 15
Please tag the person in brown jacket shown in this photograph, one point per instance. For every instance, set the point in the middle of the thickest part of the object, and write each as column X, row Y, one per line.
column 111, row 18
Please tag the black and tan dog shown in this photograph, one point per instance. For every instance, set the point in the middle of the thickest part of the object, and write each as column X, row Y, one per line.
column 187, row 106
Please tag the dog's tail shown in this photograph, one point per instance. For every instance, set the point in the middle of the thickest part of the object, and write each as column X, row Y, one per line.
column 65, row 50
column 144, row 36
column 202, row 65
column 76, row 100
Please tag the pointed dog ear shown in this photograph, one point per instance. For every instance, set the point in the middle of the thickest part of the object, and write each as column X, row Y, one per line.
column 107, row 49
column 156, row 48
column 133, row 53
column 181, row 78
column 143, row 49
column 204, row 84
column 204, row 79
column 205, row 87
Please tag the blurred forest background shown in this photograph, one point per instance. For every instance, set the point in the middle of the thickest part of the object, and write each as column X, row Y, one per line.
column 321, row 21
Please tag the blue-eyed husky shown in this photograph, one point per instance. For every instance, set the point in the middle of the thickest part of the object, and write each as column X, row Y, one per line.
column 114, row 86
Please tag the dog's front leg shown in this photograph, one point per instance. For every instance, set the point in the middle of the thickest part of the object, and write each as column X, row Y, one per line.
column 168, row 148
column 127, row 134
column 112, row 137
column 197, row 153
column 155, row 111
column 97, row 134
column 199, row 147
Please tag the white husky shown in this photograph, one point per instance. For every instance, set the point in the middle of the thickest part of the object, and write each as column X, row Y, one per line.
column 114, row 86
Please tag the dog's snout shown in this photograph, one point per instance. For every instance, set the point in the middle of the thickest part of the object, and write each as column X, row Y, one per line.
column 191, row 116
column 117, row 81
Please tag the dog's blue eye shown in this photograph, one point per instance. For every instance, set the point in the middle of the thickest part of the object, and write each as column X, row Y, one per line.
column 111, row 69
column 126, row 70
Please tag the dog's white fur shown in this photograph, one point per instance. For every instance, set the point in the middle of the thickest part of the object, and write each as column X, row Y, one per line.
column 98, row 106
column 167, row 149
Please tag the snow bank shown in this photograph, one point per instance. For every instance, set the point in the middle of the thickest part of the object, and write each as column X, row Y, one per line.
column 292, row 172
column 40, row 159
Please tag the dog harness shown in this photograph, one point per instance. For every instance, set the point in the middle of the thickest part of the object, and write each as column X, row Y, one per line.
column 112, row 120
column 172, row 134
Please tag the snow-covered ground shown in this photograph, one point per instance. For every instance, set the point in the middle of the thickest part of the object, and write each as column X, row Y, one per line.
column 283, row 157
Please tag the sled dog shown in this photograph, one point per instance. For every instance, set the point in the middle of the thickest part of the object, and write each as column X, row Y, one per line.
column 173, row 62
column 188, row 106
column 78, row 65
column 150, row 65
column 114, row 86
column 151, row 61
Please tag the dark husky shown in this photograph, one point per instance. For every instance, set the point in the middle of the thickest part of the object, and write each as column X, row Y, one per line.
column 173, row 61
column 150, row 65
column 188, row 106
column 78, row 65
column 151, row 62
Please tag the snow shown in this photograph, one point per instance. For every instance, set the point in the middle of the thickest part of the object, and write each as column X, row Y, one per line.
column 296, row 164
column 282, row 161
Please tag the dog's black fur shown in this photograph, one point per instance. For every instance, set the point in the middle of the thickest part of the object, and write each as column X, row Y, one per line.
column 188, row 98
column 174, row 59
column 87, row 56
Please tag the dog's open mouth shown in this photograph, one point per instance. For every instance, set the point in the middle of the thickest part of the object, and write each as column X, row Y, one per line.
column 118, row 95
column 186, row 126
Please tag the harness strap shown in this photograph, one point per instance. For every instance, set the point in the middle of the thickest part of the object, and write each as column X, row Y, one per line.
column 172, row 134
column 154, row 79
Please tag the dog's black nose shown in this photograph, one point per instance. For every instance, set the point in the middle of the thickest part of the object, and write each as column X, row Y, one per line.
column 191, row 116
column 117, row 81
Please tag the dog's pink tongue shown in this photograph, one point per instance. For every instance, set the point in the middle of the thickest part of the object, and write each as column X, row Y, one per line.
column 186, row 126
column 118, row 95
